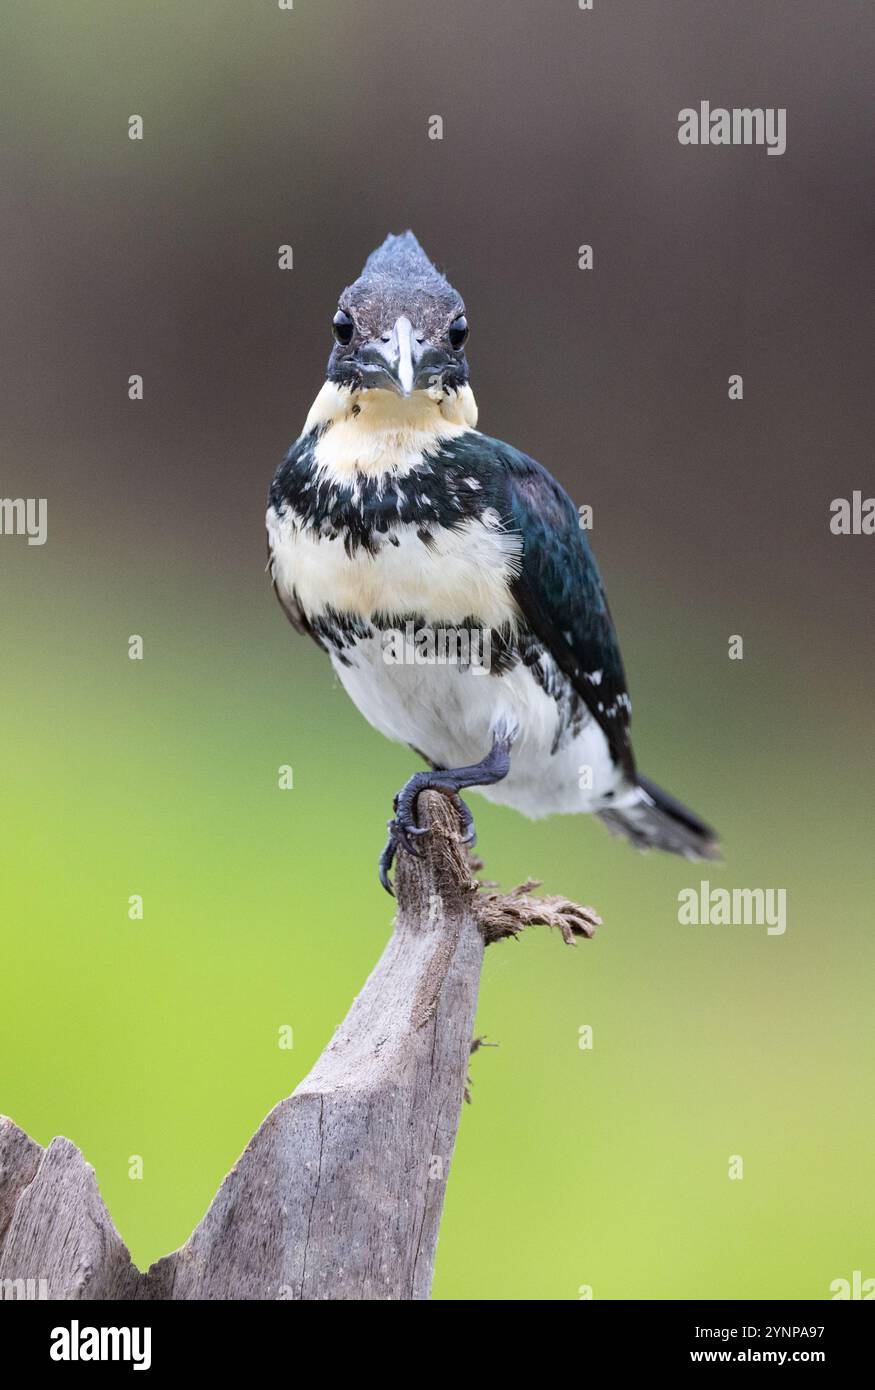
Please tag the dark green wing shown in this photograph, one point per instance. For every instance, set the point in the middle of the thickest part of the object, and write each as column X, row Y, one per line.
column 560, row 592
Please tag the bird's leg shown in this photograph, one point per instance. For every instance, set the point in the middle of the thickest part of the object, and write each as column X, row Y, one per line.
column 404, row 830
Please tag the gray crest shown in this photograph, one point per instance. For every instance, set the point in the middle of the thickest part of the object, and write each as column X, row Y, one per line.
column 398, row 278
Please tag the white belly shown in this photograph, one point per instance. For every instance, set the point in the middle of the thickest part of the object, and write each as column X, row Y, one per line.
column 450, row 714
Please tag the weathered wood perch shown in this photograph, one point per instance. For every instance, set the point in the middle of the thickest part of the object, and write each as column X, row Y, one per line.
column 339, row 1193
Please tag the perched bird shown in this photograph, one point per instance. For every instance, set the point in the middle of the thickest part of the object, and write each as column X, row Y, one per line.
column 392, row 516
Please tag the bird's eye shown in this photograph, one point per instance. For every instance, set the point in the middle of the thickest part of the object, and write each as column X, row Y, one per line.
column 342, row 327
column 458, row 332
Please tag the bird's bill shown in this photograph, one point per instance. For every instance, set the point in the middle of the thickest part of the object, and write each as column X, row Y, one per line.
column 401, row 361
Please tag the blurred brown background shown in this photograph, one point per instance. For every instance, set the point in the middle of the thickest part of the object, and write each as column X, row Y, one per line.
column 309, row 127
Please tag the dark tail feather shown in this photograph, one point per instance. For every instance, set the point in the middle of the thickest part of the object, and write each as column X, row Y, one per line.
column 657, row 821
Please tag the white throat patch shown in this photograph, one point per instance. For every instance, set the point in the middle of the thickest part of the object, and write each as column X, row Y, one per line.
column 375, row 432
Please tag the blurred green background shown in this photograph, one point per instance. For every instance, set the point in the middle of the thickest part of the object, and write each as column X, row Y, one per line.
column 158, row 1038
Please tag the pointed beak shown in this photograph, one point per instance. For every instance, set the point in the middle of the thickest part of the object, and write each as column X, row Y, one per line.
column 403, row 354
column 400, row 360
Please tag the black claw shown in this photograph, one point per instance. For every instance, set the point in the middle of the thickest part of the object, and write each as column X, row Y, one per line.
column 387, row 858
column 386, row 861
column 403, row 836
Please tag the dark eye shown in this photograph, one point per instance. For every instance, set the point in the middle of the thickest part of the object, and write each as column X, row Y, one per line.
column 458, row 332
column 342, row 327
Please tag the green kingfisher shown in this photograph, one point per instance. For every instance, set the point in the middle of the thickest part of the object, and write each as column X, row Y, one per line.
column 449, row 579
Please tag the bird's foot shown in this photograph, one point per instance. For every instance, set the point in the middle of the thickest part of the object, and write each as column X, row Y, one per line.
column 405, row 830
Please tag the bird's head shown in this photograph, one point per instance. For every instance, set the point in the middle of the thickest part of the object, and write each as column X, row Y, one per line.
column 400, row 327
